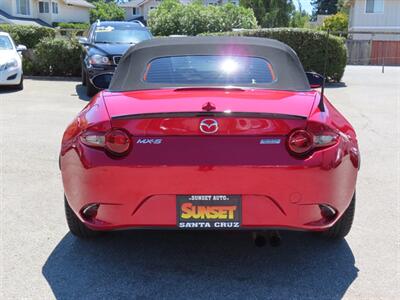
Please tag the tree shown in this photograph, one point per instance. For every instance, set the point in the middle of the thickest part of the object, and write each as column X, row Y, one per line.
column 299, row 19
column 173, row 17
column 324, row 7
column 279, row 13
column 259, row 8
column 337, row 23
column 271, row 13
column 106, row 12
column 344, row 6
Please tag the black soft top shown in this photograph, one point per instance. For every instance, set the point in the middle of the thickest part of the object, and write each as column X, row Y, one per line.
column 287, row 67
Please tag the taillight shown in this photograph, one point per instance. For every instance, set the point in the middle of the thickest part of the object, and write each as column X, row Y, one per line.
column 317, row 135
column 116, row 142
column 93, row 139
column 300, row 142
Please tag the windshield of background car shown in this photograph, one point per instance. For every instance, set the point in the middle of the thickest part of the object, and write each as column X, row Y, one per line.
column 209, row 69
column 5, row 43
column 123, row 35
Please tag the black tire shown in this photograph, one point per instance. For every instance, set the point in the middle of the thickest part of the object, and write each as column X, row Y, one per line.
column 84, row 78
column 90, row 88
column 20, row 86
column 343, row 225
column 76, row 227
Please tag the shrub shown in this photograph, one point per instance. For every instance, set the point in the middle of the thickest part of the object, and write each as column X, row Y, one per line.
column 309, row 46
column 172, row 17
column 54, row 57
column 106, row 12
column 337, row 23
column 71, row 33
column 62, row 25
column 28, row 35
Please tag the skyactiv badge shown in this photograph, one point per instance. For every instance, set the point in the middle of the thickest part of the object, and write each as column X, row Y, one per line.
column 209, row 211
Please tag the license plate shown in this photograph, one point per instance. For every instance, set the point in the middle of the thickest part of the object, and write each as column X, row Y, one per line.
column 209, row 211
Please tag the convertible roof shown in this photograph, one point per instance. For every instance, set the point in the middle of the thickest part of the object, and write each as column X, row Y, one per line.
column 287, row 67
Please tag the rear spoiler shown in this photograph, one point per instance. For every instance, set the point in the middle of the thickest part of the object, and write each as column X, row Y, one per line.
column 225, row 114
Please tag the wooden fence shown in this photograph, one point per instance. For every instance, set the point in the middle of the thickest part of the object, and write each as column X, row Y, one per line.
column 373, row 51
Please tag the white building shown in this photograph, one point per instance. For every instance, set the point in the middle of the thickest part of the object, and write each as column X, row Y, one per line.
column 139, row 9
column 375, row 16
column 374, row 32
column 44, row 12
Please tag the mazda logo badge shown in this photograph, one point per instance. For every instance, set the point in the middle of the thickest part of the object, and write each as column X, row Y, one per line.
column 208, row 126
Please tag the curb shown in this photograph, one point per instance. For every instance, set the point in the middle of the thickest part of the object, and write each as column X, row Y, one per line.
column 53, row 78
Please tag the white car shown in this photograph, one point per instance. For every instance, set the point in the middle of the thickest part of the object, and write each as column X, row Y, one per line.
column 11, row 73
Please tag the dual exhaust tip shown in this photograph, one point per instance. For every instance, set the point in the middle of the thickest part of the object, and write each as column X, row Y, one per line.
column 260, row 239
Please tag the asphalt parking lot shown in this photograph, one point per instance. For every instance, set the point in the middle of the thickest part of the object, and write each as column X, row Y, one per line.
column 41, row 260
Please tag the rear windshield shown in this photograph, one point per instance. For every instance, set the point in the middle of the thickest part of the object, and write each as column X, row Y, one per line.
column 209, row 69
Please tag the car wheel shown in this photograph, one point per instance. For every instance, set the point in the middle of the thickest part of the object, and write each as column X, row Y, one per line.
column 91, row 90
column 343, row 225
column 20, row 85
column 84, row 79
column 75, row 225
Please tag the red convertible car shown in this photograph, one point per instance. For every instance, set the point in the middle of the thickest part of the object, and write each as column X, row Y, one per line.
column 210, row 133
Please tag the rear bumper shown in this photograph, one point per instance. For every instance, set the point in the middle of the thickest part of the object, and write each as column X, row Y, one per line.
column 135, row 196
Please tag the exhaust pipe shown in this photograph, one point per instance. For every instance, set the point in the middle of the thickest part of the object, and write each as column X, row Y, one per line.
column 274, row 238
column 260, row 239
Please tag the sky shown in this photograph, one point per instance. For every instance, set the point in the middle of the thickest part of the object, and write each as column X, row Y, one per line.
column 305, row 4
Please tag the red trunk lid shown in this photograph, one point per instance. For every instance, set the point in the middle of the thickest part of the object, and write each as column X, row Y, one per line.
column 237, row 112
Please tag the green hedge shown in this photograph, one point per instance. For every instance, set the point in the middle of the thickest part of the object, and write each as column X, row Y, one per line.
column 172, row 17
column 83, row 26
column 54, row 57
column 28, row 35
column 309, row 46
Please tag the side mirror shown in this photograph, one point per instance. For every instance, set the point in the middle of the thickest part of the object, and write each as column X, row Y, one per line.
column 83, row 40
column 316, row 80
column 21, row 48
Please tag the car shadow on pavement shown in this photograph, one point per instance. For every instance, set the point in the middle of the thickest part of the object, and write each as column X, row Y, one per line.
column 198, row 265
column 8, row 90
column 335, row 85
column 81, row 92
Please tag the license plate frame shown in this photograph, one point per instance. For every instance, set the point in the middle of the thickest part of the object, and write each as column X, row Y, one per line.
column 209, row 212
